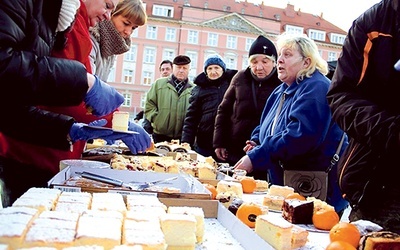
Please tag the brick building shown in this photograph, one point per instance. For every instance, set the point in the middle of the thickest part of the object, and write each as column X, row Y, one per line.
column 198, row 28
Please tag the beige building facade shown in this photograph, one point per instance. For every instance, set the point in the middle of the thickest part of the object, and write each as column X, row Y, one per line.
column 198, row 28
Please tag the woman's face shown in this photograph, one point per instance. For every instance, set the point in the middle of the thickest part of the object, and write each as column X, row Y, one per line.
column 99, row 10
column 290, row 62
column 214, row 71
column 124, row 26
column 261, row 66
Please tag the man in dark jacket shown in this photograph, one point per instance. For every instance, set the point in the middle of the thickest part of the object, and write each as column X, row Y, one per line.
column 240, row 110
column 198, row 128
column 364, row 102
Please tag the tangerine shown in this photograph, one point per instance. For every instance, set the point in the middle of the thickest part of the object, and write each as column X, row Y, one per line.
column 296, row 196
column 248, row 184
column 345, row 231
column 325, row 219
column 340, row 245
column 212, row 190
column 248, row 212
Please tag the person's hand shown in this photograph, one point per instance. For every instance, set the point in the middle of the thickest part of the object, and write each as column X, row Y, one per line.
column 80, row 131
column 137, row 143
column 221, row 153
column 102, row 99
column 244, row 163
column 249, row 146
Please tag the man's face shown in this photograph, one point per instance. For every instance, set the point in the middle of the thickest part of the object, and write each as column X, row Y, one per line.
column 165, row 69
column 181, row 72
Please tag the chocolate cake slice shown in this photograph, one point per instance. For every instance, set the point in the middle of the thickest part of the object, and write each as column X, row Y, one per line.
column 297, row 211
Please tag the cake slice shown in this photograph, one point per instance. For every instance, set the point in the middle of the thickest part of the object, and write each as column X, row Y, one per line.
column 283, row 191
column 198, row 214
column 380, row 241
column 179, row 230
column 297, row 211
column 224, row 186
column 273, row 202
column 120, row 121
column 274, row 230
column 299, row 237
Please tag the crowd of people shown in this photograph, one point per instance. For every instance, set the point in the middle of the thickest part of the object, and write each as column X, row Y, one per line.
column 281, row 113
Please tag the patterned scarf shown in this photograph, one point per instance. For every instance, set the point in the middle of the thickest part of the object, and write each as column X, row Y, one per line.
column 111, row 42
column 179, row 85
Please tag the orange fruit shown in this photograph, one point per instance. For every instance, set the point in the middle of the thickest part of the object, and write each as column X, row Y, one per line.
column 339, row 245
column 248, row 185
column 248, row 212
column 345, row 231
column 212, row 189
column 296, row 196
column 325, row 219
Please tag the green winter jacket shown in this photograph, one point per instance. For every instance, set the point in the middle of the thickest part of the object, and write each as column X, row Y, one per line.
column 165, row 109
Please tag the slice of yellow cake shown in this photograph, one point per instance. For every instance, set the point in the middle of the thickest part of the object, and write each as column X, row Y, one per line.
column 179, row 231
column 274, row 230
column 198, row 214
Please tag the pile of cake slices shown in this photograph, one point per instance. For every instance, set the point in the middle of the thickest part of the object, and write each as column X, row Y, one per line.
column 181, row 162
column 54, row 219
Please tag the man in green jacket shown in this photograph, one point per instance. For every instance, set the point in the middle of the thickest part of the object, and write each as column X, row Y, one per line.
column 167, row 101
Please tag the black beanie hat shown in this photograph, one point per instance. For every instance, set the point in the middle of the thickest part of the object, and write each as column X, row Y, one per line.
column 264, row 46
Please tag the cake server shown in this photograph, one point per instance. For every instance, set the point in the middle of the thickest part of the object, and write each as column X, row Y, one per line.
column 138, row 186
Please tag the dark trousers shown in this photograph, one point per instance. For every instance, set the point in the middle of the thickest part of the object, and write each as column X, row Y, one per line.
column 16, row 178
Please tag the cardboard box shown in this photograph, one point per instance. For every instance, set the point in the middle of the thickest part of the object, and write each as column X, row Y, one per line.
column 190, row 188
column 213, row 209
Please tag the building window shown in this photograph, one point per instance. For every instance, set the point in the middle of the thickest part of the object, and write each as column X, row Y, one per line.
column 193, row 37
column 130, row 55
column 337, row 38
column 151, row 32
column 127, row 76
column 170, row 34
column 147, row 77
column 317, row 35
column 168, row 54
column 231, row 42
column 332, row 56
column 249, row 42
column 212, row 39
column 149, row 55
column 231, row 61
column 294, row 30
column 128, row 100
column 165, row 11
column 135, row 33
column 143, row 100
column 245, row 62
column 193, row 55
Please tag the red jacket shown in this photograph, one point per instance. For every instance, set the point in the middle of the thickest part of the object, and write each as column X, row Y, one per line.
column 78, row 48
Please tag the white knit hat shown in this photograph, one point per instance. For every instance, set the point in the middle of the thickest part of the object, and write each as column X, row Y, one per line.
column 67, row 14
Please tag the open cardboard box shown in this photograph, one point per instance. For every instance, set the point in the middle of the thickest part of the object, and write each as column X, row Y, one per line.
column 214, row 209
column 190, row 188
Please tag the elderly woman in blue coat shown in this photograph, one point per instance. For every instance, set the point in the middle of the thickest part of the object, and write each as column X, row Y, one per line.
column 296, row 131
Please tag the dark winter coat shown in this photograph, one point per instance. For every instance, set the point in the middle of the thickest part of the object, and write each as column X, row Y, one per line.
column 29, row 78
column 239, row 112
column 203, row 104
column 364, row 98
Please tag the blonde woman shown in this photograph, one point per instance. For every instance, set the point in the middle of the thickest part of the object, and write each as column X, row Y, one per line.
column 113, row 37
column 296, row 130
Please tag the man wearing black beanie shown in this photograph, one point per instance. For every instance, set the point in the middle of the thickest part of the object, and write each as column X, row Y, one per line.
column 240, row 110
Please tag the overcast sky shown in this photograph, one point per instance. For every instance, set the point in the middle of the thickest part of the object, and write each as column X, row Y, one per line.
column 339, row 12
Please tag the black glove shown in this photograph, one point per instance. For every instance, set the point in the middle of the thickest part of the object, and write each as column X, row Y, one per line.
column 102, row 99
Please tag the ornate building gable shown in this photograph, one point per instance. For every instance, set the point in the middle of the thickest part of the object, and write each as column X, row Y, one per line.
column 233, row 22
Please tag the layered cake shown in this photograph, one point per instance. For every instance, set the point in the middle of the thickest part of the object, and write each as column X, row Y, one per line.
column 198, row 214
column 273, row 202
column 234, row 187
column 297, row 211
column 120, row 121
column 179, row 230
column 383, row 240
column 261, row 186
column 299, row 237
column 40, row 198
column 274, row 230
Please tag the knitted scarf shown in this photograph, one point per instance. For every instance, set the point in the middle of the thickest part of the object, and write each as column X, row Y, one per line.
column 111, row 42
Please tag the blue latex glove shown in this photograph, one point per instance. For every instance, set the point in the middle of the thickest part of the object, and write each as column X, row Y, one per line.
column 137, row 142
column 80, row 131
column 102, row 99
